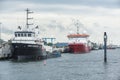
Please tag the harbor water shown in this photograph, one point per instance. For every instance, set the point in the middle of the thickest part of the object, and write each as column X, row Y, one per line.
column 89, row 66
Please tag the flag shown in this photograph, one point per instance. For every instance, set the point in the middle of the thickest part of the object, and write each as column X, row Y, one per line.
column 19, row 27
column 36, row 27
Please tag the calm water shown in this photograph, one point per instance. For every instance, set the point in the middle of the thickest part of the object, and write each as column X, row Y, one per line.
column 68, row 67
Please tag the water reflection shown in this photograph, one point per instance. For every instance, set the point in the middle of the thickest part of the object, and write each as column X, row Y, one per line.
column 68, row 67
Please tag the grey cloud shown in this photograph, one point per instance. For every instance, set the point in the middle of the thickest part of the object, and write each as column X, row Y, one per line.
column 105, row 3
column 61, row 28
column 12, row 4
column 51, row 6
column 7, row 31
column 41, row 28
column 56, row 25
column 102, row 3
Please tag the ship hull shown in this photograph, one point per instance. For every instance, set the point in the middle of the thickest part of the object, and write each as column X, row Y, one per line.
column 21, row 50
column 78, row 48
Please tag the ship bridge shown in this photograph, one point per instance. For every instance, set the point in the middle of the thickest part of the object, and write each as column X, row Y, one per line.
column 25, row 37
column 24, row 34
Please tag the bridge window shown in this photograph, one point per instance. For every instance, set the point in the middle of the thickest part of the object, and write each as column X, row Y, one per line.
column 18, row 35
column 15, row 35
column 25, row 35
column 21, row 34
column 29, row 35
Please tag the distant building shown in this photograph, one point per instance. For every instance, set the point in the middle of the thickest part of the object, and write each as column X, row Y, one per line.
column 62, row 47
column 58, row 45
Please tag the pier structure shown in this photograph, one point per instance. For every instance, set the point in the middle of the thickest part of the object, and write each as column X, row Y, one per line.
column 5, row 51
column 51, row 39
column 5, row 48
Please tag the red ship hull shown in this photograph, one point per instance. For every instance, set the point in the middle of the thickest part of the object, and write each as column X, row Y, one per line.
column 78, row 48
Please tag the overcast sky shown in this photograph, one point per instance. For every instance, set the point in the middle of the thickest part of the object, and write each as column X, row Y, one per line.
column 57, row 18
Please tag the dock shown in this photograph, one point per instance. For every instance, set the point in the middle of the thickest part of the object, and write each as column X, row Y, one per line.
column 5, row 51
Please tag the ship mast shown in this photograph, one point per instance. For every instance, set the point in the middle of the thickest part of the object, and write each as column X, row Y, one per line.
column 77, row 24
column 27, row 18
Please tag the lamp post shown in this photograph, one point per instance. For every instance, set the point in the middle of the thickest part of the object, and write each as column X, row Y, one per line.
column 105, row 47
column 0, row 35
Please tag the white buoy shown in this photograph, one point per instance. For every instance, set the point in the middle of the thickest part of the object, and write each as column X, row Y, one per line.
column 44, row 62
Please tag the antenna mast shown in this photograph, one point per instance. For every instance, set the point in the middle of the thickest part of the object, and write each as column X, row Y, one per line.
column 27, row 18
column 77, row 24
